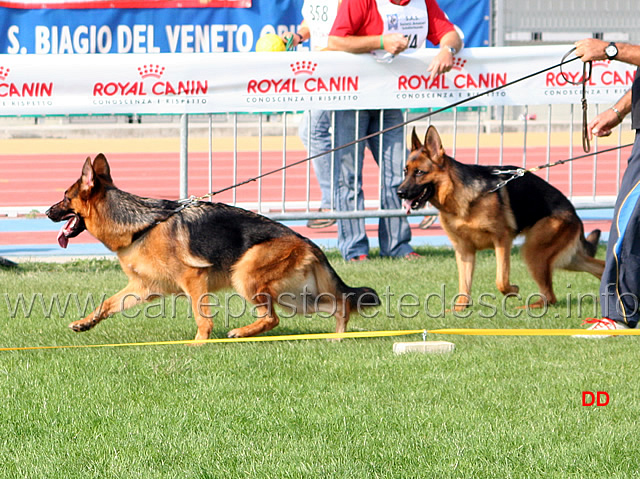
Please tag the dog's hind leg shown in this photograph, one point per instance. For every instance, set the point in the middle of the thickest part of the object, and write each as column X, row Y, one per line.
column 585, row 263
column 581, row 260
column 263, row 273
column 267, row 317
column 550, row 243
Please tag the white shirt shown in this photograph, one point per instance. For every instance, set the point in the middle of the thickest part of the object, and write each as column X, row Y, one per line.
column 411, row 20
column 319, row 16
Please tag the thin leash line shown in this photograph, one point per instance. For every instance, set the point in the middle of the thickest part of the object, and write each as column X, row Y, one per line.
column 385, row 130
column 586, row 144
column 518, row 172
column 289, row 337
column 586, row 155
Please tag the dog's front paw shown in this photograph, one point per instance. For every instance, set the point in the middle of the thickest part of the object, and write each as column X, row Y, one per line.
column 461, row 305
column 511, row 289
column 235, row 333
column 463, row 301
column 82, row 325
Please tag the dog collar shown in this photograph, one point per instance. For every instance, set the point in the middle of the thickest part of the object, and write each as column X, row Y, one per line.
column 185, row 204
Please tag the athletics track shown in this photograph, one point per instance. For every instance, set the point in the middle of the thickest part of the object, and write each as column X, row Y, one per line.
column 36, row 172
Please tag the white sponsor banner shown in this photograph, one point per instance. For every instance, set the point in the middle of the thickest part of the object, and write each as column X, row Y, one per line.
column 293, row 81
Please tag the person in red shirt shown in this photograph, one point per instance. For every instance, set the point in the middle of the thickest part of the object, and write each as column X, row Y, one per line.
column 384, row 28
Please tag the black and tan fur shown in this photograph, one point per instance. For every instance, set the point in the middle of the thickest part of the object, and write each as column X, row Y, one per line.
column 476, row 218
column 201, row 249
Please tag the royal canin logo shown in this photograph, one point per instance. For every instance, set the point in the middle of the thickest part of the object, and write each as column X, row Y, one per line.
column 151, row 83
column 458, row 64
column 311, row 84
column 150, row 71
column 457, row 78
column 303, row 67
column 601, row 75
column 22, row 90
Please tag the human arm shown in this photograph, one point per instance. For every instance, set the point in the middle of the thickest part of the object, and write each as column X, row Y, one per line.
column 394, row 43
column 443, row 61
column 592, row 49
column 606, row 121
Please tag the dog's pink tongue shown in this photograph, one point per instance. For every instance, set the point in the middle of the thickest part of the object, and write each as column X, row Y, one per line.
column 407, row 205
column 63, row 241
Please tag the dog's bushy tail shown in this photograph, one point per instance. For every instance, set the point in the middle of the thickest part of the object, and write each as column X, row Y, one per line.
column 329, row 281
column 363, row 297
column 358, row 297
column 590, row 243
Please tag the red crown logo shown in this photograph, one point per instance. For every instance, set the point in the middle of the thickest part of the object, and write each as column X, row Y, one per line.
column 4, row 73
column 458, row 63
column 604, row 63
column 154, row 71
column 303, row 66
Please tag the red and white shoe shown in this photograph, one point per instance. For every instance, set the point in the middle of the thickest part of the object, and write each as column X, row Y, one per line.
column 603, row 324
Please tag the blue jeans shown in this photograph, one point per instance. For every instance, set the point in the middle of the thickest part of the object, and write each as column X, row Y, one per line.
column 315, row 133
column 394, row 234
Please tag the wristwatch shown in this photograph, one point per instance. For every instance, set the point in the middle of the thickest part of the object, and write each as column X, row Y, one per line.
column 611, row 51
column 452, row 50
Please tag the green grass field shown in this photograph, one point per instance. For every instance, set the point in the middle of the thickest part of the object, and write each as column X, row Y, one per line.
column 497, row 407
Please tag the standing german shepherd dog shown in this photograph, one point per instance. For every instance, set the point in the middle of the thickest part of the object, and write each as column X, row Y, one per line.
column 475, row 218
column 165, row 248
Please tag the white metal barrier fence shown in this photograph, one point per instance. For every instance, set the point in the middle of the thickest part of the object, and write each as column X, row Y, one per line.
column 523, row 137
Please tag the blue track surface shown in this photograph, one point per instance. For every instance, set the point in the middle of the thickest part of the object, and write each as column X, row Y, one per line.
column 39, row 225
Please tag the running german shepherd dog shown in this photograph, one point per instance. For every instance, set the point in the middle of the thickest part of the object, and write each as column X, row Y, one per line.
column 166, row 248
column 476, row 217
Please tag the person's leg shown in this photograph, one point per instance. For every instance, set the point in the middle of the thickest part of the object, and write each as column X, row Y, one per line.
column 394, row 233
column 620, row 284
column 352, row 238
column 315, row 133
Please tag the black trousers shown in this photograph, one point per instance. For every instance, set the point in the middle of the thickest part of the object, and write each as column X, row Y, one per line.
column 620, row 284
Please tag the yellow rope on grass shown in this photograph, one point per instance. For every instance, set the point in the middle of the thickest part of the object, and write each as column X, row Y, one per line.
column 290, row 337
column 353, row 335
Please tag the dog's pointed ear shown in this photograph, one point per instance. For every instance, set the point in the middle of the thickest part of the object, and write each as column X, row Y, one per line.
column 101, row 167
column 433, row 143
column 87, row 178
column 415, row 141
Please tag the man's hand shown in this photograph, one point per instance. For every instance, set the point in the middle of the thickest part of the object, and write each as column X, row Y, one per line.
column 395, row 43
column 442, row 63
column 602, row 124
column 591, row 49
column 295, row 38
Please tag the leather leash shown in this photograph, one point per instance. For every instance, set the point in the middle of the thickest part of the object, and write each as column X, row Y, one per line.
column 586, row 76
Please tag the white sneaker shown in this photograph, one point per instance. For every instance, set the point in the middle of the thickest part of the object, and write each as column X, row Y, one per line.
column 604, row 324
